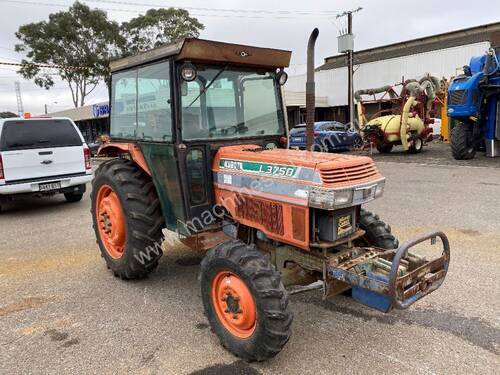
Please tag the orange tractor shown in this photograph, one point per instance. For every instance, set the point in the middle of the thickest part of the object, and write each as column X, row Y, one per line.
column 199, row 147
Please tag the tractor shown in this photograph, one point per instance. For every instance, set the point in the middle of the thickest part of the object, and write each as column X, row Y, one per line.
column 474, row 107
column 198, row 148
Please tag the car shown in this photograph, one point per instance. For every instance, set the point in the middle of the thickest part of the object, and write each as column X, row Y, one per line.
column 328, row 136
column 42, row 157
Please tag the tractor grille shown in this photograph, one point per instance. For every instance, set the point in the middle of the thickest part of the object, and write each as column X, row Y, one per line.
column 457, row 97
column 340, row 176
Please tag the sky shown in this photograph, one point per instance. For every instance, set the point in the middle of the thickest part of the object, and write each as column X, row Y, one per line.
column 283, row 24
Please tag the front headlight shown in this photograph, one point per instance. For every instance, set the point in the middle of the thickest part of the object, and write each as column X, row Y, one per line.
column 342, row 197
column 320, row 198
column 329, row 199
column 379, row 191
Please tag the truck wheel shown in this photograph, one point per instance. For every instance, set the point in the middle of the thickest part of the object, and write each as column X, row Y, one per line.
column 417, row 146
column 385, row 148
column 377, row 233
column 245, row 301
column 72, row 197
column 127, row 218
column 462, row 147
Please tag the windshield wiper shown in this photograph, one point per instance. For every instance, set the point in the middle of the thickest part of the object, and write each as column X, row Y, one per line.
column 207, row 86
column 238, row 128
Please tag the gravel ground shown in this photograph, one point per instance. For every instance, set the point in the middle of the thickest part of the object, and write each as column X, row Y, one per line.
column 61, row 311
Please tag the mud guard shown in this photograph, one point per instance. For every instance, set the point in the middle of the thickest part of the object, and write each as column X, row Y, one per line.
column 132, row 150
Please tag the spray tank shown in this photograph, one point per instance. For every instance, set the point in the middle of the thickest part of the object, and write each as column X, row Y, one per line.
column 407, row 122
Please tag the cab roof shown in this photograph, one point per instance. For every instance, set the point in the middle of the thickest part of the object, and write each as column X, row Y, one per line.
column 201, row 50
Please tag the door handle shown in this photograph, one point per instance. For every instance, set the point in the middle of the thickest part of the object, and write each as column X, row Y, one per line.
column 46, row 162
column 45, row 153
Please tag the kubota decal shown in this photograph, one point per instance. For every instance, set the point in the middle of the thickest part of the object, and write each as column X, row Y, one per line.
column 275, row 170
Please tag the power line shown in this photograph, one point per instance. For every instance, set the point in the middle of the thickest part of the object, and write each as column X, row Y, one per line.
column 225, row 10
column 66, row 67
column 256, row 16
column 37, row 89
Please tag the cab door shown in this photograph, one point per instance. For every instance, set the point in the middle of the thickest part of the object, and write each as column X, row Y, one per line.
column 196, row 179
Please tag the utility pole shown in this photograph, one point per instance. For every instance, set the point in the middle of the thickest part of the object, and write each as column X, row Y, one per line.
column 346, row 45
column 20, row 108
column 350, row 72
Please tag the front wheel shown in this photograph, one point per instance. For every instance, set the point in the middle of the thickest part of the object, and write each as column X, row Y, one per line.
column 416, row 146
column 377, row 233
column 245, row 301
column 462, row 145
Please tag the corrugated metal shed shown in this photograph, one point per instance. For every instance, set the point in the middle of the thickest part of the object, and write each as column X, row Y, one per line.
column 298, row 99
column 484, row 33
column 332, row 83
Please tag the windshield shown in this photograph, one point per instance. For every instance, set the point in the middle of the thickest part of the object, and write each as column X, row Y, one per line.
column 226, row 103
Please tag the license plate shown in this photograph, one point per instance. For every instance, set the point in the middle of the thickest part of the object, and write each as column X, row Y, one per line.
column 297, row 139
column 344, row 225
column 49, row 186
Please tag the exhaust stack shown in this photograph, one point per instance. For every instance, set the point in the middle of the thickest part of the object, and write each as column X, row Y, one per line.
column 310, row 91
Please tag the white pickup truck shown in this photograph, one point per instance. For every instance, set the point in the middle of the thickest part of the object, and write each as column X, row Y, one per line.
column 43, row 156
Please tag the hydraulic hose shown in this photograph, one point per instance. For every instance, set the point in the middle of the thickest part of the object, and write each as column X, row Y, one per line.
column 403, row 131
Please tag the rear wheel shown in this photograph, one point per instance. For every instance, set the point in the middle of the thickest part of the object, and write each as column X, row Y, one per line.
column 462, row 147
column 73, row 197
column 245, row 301
column 128, row 221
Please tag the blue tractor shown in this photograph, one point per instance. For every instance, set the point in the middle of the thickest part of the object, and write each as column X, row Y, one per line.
column 474, row 107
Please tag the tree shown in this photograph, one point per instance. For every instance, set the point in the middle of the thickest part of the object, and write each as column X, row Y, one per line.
column 157, row 27
column 80, row 41
column 7, row 114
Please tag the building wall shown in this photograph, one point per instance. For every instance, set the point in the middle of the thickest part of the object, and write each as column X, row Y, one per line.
column 440, row 63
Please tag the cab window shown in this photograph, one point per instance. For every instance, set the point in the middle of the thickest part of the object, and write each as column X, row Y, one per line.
column 226, row 103
column 141, row 105
column 154, row 118
column 124, row 105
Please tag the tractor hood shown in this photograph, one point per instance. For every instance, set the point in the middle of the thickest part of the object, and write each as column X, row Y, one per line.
column 300, row 167
column 272, row 189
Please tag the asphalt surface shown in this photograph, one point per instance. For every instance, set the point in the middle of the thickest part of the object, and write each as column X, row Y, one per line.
column 62, row 311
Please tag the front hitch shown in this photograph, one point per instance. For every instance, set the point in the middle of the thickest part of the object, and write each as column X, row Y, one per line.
column 388, row 279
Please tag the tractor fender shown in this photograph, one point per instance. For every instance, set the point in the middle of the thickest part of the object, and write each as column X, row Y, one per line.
column 131, row 150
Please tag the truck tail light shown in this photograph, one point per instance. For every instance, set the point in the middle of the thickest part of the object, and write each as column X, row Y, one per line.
column 2, row 176
column 86, row 155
